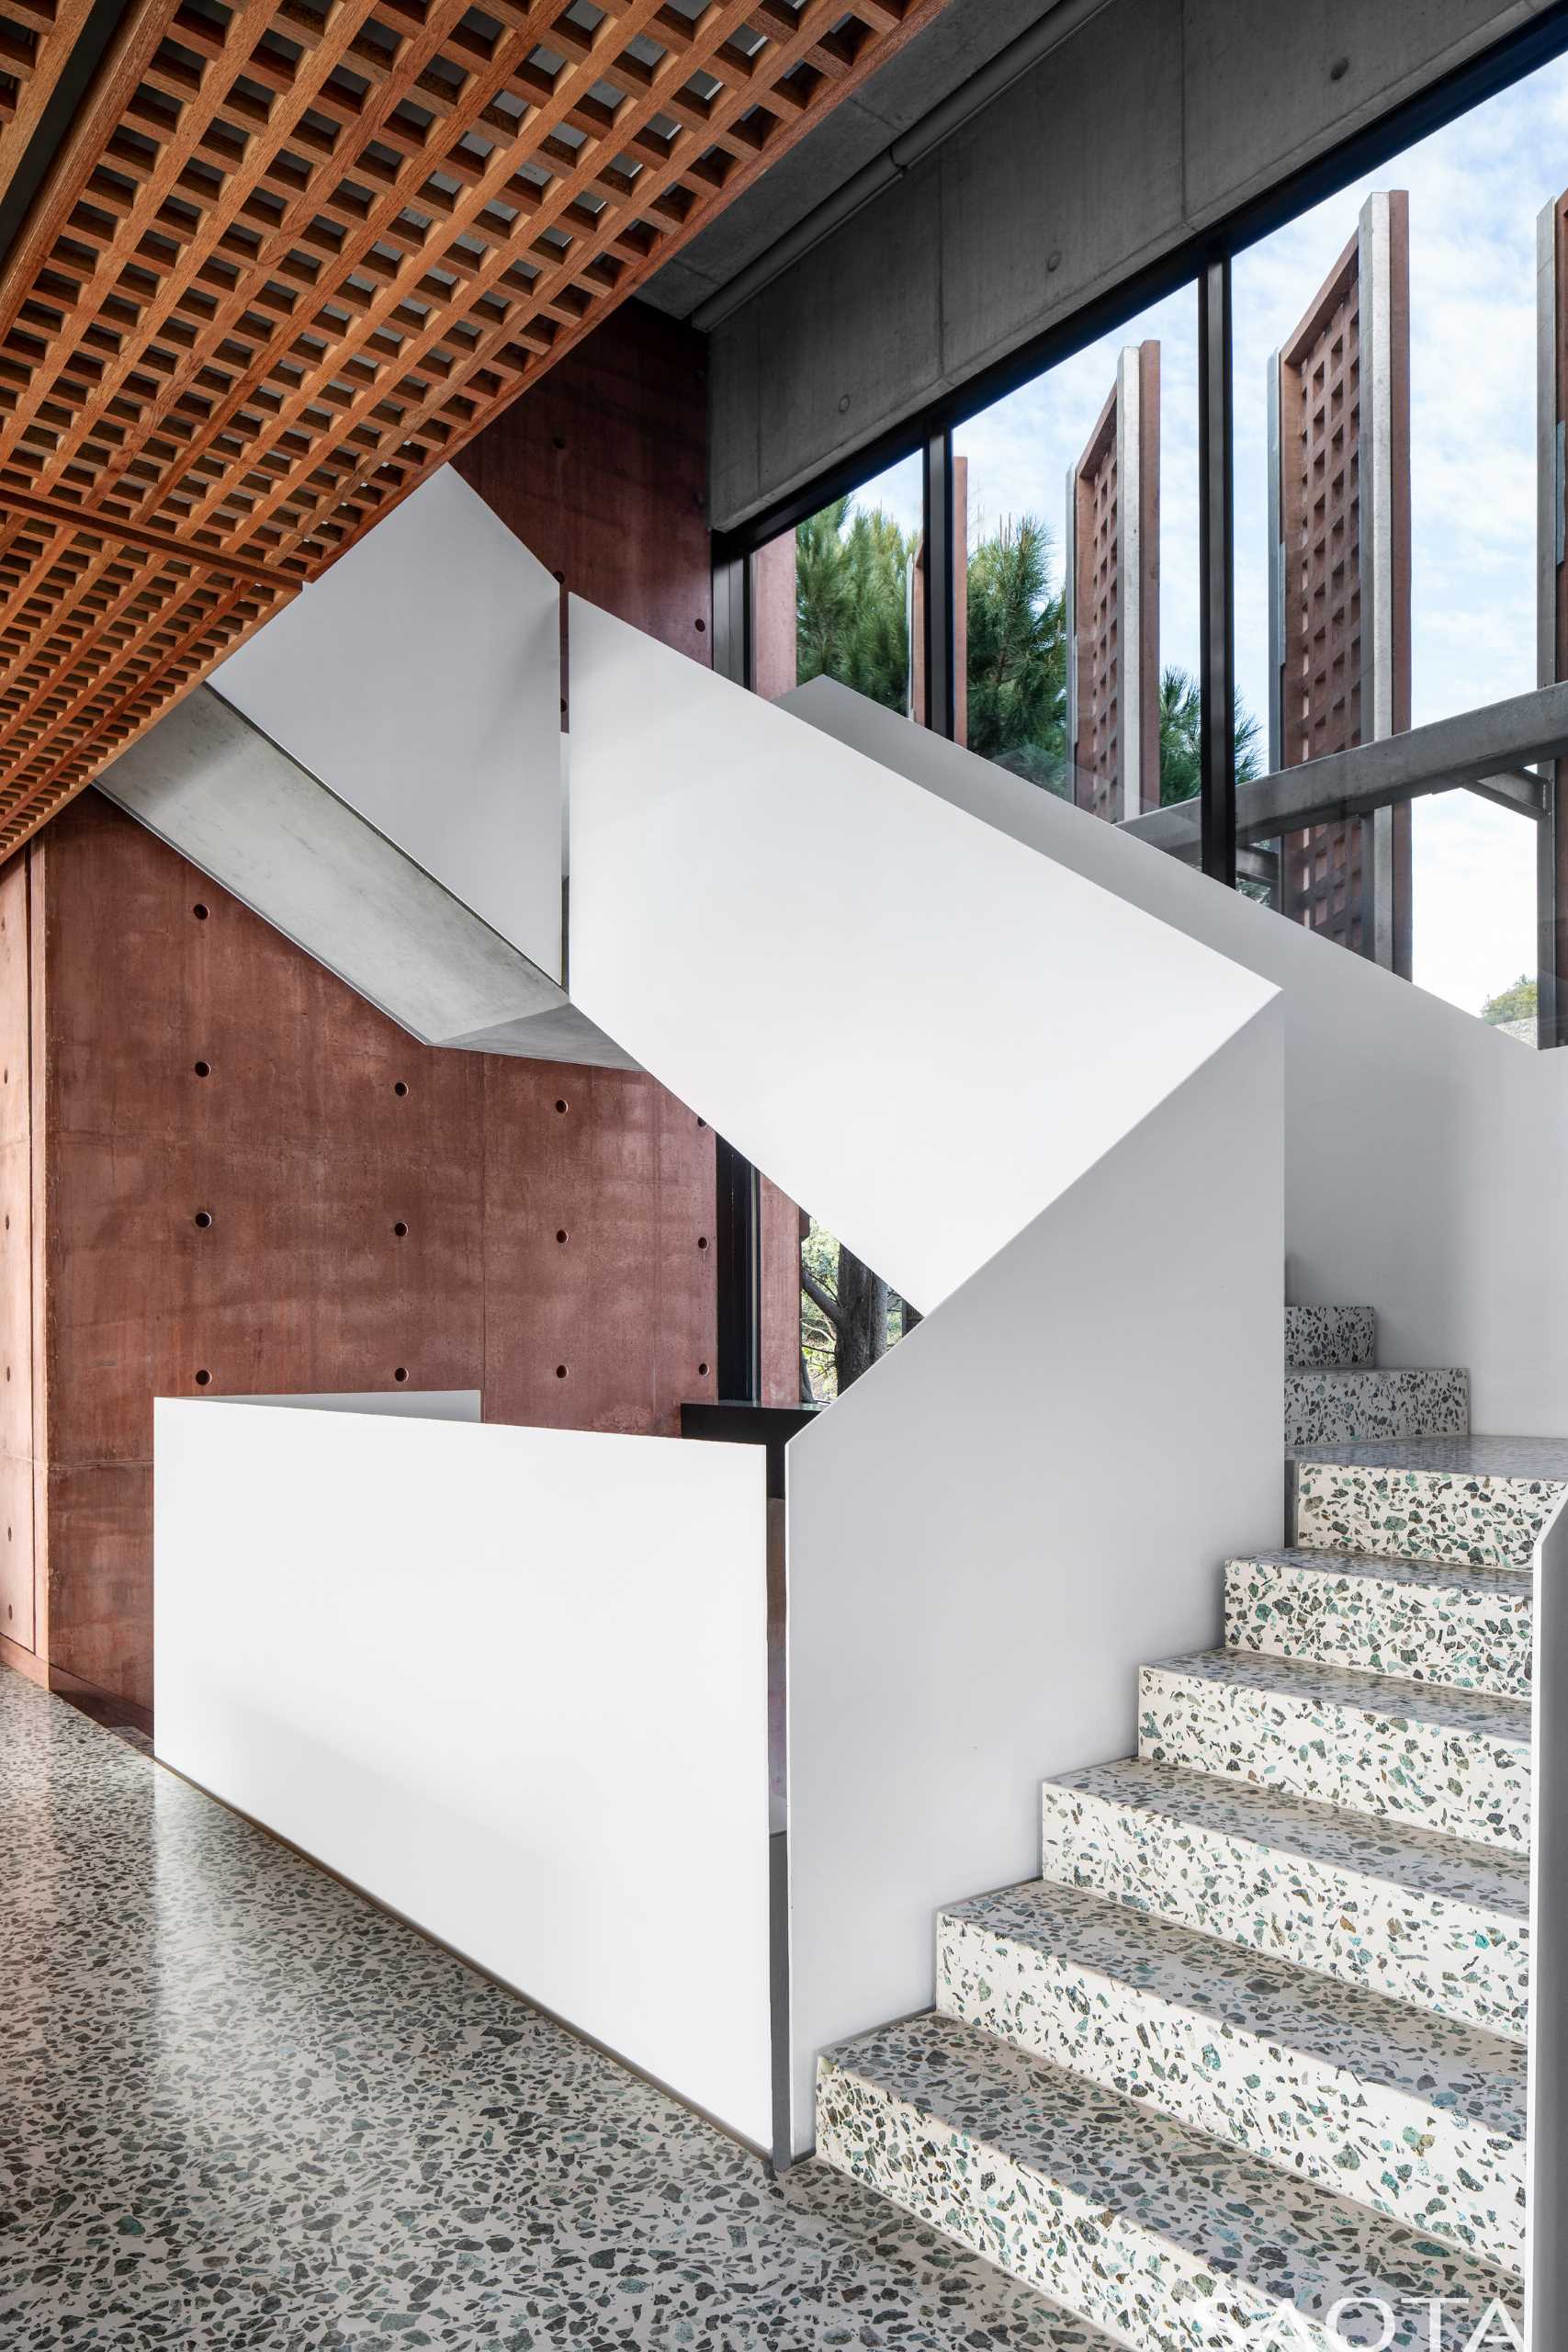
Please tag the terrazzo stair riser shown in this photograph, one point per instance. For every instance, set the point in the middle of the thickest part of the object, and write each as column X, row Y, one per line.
column 1374, row 1751
column 1341, row 1407
column 1171, row 2241
column 1420, row 2120
column 1329, row 1338
column 1409, row 1513
column 1428, row 1921
column 1468, row 1629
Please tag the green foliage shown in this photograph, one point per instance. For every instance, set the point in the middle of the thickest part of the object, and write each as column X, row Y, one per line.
column 1521, row 1002
column 851, row 569
column 851, row 592
column 849, row 1319
column 1180, row 724
column 1017, row 654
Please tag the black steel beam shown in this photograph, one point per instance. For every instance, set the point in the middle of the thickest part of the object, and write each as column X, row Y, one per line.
column 1485, row 750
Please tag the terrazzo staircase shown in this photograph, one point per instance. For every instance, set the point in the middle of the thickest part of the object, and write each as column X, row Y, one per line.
column 1336, row 1390
column 1254, row 2043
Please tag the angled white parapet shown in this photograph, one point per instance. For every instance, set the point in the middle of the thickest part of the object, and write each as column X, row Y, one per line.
column 419, row 679
column 511, row 1681
column 1417, row 1139
column 921, row 1029
column 224, row 796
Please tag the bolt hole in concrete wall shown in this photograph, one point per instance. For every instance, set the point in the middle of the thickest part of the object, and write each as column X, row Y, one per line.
column 203, row 1379
column 199, row 911
column 402, row 1373
column 315, row 1159
column 204, row 1069
column 401, row 1087
column 400, row 1228
column 204, row 1218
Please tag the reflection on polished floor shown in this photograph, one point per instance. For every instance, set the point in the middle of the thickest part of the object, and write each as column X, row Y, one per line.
column 241, row 2106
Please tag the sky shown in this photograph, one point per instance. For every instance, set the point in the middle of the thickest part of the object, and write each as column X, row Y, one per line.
column 1475, row 188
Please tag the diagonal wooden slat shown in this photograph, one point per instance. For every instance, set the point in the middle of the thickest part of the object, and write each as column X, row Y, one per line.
column 293, row 255
column 152, row 198
column 36, row 40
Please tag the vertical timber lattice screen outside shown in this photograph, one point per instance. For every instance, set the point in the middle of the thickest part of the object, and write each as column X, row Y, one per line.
column 1339, row 574
column 290, row 257
column 1112, row 583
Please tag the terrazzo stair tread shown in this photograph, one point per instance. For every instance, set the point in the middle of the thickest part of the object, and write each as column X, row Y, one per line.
column 1457, row 1760
column 1165, row 2236
column 1421, row 1918
column 1330, row 1405
column 981, row 2304
column 1480, row 1499
column 1329, row 1338
column 1417, row 2116
column 1424, row 1621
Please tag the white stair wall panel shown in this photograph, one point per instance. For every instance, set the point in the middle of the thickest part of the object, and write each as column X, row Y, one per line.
column 420, row 678
column 976, row 1041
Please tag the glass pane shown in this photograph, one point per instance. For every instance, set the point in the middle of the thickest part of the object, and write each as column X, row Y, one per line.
column 1475, row 907
column 1386, row 452
column 1474, row 191
column 840, row 596
column 1077, row 505
column 849, row 1317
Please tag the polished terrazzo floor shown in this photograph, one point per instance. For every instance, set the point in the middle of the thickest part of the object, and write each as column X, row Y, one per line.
column 240, row 2108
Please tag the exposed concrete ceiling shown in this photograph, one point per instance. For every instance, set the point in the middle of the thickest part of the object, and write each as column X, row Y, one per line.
column 964, row 38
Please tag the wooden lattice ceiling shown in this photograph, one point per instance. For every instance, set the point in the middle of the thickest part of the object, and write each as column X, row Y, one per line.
column 291, row 257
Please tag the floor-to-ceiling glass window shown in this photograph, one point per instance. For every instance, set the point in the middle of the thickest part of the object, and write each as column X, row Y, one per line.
column 1387, row 445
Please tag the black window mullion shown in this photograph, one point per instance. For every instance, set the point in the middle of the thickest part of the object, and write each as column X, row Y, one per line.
column 1216, row 563
column 941, row 714
column 738, row 1228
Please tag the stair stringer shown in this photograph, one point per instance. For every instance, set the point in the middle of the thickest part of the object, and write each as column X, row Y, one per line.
column 233, row 803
